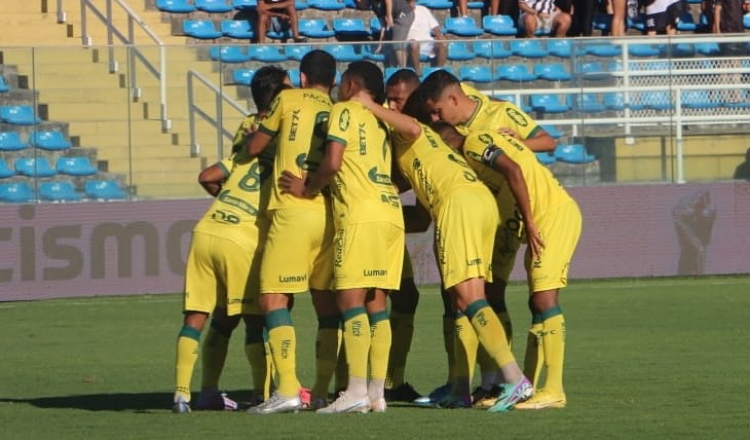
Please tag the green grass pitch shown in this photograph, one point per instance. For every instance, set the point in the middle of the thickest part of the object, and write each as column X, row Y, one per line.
column 646, row 359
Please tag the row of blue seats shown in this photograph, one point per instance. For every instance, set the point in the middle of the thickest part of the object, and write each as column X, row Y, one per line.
column 18, row 115
column 23, row 192
column 223, row 6
column 41, row 167
column 567, row 153
column 46, row 140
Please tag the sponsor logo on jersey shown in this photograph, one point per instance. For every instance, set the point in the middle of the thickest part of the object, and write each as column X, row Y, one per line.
column 375, row 272
column 517, row 117
column 344, row 120
column 292, row 278
column 295, row 125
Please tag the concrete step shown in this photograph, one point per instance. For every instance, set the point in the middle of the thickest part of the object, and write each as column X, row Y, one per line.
column 188, row 189
column 163, row 166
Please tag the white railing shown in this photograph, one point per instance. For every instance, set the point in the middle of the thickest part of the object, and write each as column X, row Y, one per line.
column 62, row 17
column 217, row 121
column 158, row 71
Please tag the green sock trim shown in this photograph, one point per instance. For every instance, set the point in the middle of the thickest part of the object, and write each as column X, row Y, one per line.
column 351, row 313
column 190, row 332
column 549, row 313
column 536, row 318
column 253, row 336
column 473, row 308
column 329, row 322
column 278, row 318
column 378, row 316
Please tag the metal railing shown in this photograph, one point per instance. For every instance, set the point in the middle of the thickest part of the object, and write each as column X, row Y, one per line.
column 158, row 71
column 62, row 17
column 216, row 122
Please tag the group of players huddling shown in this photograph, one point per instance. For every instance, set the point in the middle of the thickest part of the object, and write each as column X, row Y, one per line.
column 309, row 201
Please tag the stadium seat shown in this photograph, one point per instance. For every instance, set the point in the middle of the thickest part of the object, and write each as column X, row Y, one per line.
column 104, row 190
column 589, row 103
column 686, row 23
column 49, row 140
column 350, row 28
column 552, row 131
column 16, row 192
column 3, row 86
column 499, row 25
column 242, row 76
column 351, row 4
column 547, row 103
column 428, row 70
column 462, row 27
column 391, row 70
column 240, row 29
column 266, row 54
column 528, row 48
column 175, row 6
column 742, row 100
column 244, row 4
column 573, row 153
column 436, row 4
column 475, row 5
column 545, row 158
column 58, row 192
column 560, row 48
column 616, row 101
column 296, row 51
column 552, row 72
column 75, row 166
column 656, row 100
column 375, row 27
column 592, row 70
column 229, row 54
column 491, row 49
column 520, row 102
column 368, row 50
column 459, row 51
column 604, row 50
column 11, row 141
column 345, row 53
column 643, row 50
column 326, row 5
column 697, row 99
column 315, row 28
column 201, row 29
column 480, row 74
column 293, row 75
column 707, row 49
column 602, row 22
column 638, row 22
column 514, row 72
column 678, row 50
column 18, row 115
column 746, row 21
column 213, row 6
column 5, row 172
column 34, row 167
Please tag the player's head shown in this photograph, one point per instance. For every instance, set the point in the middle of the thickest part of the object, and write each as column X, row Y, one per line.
column 364, row 76
column 399, row 87
column 264, row 83
column 416, row 108
column 449, row 134
column 317, row 68
column 444, row 97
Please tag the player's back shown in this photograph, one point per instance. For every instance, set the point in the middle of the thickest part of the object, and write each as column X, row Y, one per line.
column 495, row 115
column 297, row 118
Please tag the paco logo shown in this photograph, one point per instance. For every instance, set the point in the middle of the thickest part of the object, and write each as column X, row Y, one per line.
column 344, row 120
column 517, row 117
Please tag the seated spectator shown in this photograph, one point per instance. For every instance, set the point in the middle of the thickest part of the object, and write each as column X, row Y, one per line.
column 422, row 37
column 279, row 14
column 544, row 15
column 662, row 16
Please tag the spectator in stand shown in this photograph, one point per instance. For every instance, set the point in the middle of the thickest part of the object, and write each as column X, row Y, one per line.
column 619, row 9
column 543, row 15
column 495, row 7
column 662, row 16
column 726, row 18
column 277, row 13
column 582, row 15
column 425, row 38
column 396, row 18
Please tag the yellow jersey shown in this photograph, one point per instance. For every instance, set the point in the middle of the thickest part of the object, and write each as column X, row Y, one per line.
column 240, row 136
column 494, row 115
column 297, row 119
column 433, row 168
column 362, row 190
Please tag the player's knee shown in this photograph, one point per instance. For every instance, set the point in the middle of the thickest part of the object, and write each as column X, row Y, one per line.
column 544, row 300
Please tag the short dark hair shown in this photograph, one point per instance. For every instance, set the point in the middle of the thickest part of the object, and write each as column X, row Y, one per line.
column 436, row 82
column 319, row 67
column 446, row 131
column 406, row 76
column 416, row 108
column 264, row 83
column 369, row 77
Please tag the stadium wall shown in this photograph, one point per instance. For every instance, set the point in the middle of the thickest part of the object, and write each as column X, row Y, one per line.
column 68, row 250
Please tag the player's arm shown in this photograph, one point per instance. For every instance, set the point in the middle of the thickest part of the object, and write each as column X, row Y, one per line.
column 540, row 141
column 404, row 125
column 416, row 218
column 329, row 166
column 267, row 128
column 212, row 178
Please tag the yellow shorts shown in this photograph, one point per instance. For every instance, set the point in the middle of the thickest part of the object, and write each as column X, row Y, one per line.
column 464, row 235
column 508, row 237
column 407, row 270
column 222, row 271
column 368, row 255
column 298, row 252
column 560, row 230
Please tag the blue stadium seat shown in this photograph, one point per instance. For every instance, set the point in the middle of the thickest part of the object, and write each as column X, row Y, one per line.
column 240, row 29
column 75, row 166
column 589, row 103
column 528, row 48
column 573, row 153
column 350, row 28
column 18, row 115
column 638, row 22
column 602, row 22
column 375, row 27
column 656, row 100
column 746, row 21
column 351, row 4
column 293, row 75
column 686, row 23
column 391, row 70
column 643, row 50
column 462, row 27
column 11, row 141
column 545, row 158
column 560, row 48
column 16, row 192
column 698, row 99
column 495, row 49
column 459, row 51
column 480, row 74
column 34, row 167
column 201, row 29
column 552, row 72
column 5, row 172
column 678, row 50
column 616, row 101
column 707, row 49
column 552, row 131
column 703, row 25
column 300, row 5
column 605, row 50
column 49, row 140
column 104, row 190
column 592, row 70
column 515, row 73
column 3, row 86
column 499, row 25
column 742, row 100
column 368, row 50
column 296, row 51
column 548, row 103
column 475, row 5
column 345, row 53
column 315, row 28
column 229, row 54
column 436, row 4
column 58, row 192
column 266, row 54
column 214, row 6
column 245, row 4
column 326, row 5
column 428, row 70
column 175, row 6
column 520, row 102
column 242, row 76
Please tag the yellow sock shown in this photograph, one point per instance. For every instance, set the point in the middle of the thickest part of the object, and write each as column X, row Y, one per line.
column 357, row 340
column 380, row 344
column 255, row 352
column 213, row 356
column 187, row 353
column 283, row 343
column 534, row 359
column 326, row 354
column 466, row 345
column 492, row 337
column 553, row 337
column 402, row 329
column 449, row 342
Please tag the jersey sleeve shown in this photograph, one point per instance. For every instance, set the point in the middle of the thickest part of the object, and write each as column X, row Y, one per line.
column 271, row 122
column 338, row 124
column 520, row 122
column 484, row 147
column 239, row 136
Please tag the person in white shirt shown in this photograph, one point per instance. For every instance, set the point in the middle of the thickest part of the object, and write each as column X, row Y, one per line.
column 543, row 15
column 425, row 38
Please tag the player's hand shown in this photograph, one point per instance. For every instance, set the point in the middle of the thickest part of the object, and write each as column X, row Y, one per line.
column 363, row 98
column 291, row 184
column 509, row 132
column 534, row 239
